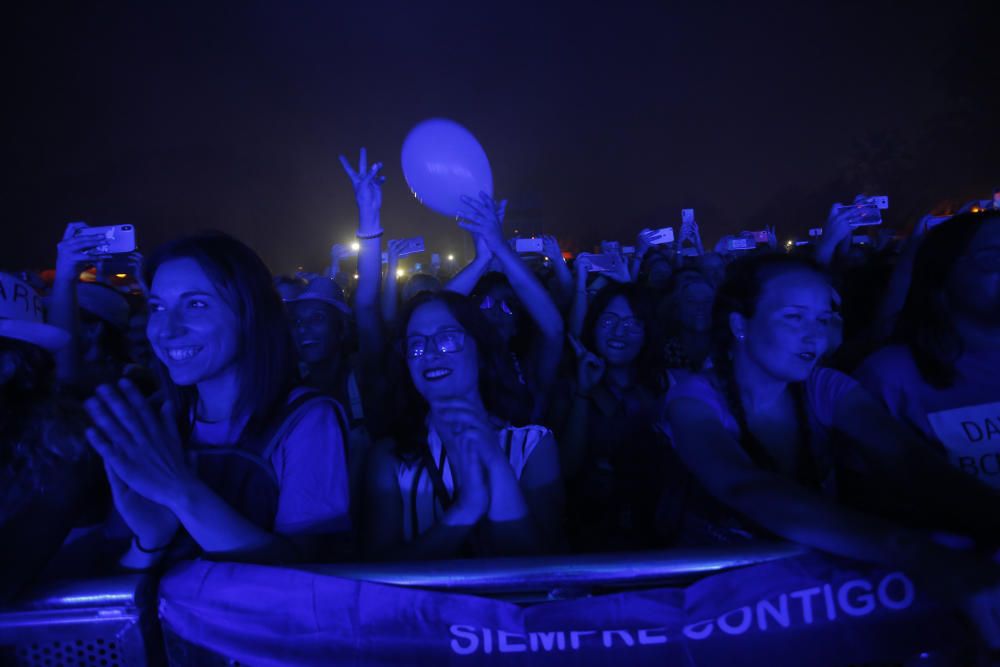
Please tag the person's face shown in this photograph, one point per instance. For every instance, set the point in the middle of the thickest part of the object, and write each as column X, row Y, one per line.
column 618, row 334
column 191, row 328
column 316, row 328
column 790, row 329
column 974, row 285
column 694, row 307
column 442, row 358
column 501, row 308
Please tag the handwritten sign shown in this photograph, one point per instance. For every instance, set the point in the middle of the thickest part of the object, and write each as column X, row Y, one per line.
column 972, row 437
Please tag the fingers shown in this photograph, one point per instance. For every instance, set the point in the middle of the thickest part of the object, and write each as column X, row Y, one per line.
column 150, row 420
column 101, row 445
column 363, row 161
column 347, row 167
column 116, row 418
column 578, row 347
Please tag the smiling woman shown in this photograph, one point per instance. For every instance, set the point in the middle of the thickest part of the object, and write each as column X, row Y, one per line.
column 268, row 477
column 458, row 478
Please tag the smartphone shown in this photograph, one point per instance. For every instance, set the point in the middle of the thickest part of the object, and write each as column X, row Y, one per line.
column 760, row 237
column 816, row 231
column 740, row 244
column 801, row 243
column 611, row 247
column 661, row 236
column 863, row 214
column 881, row 201
column 687, row 215
column 528, row 245
column 118, row 239
column 435, row 259
column 860, row 239
column 603, row 262
column 628, row 250
column 412, row 246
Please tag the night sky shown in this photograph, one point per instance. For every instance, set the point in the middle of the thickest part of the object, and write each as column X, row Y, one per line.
column 600, row 120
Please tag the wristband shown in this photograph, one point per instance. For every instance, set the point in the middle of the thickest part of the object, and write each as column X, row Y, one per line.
column 151, row 552
column 366, row 237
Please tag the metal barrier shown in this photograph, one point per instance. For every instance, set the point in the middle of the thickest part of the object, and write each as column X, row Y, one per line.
column 111, row 622
column 108, row 622
column 526, row 578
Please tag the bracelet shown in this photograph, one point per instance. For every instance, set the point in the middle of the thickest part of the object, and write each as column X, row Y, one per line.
column 366, row 237
column 138, row 545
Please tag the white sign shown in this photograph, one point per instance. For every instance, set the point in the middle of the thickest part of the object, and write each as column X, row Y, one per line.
column 972, row 437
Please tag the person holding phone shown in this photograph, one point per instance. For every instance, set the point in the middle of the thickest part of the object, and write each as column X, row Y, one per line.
column 94, row 314
column 756, row 436
column 457, row 478
column 238, row 463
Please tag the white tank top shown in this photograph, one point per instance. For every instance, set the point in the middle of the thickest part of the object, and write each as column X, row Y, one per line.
column 421, row 508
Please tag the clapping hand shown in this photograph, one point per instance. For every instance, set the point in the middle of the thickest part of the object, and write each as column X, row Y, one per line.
column 141, row 448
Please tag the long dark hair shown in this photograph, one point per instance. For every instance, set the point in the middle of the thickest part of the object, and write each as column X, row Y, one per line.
column 649, row 362
column 740, row 293
column 502, row 396
column 266, row 358
column 925, row 325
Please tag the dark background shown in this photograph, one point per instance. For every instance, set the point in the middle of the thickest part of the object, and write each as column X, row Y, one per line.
column 598, row 120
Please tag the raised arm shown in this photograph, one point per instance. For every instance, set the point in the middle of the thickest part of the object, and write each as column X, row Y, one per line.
column 75, row 253
column 390, row 291
column 484, row 218
column 371, row 330
column 564, row 279
column 465, row 280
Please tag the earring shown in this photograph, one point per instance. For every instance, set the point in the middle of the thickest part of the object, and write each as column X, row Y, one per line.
column 740, row 337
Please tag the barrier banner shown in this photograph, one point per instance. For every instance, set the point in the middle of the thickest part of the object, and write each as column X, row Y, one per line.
column 809, row 610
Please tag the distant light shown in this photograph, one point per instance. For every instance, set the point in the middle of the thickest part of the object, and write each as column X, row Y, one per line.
column 546, row 259
column 355, row 246
column 975, row 209
column 451, row 258
column 400, row 273
column 355, row 276
column 121, row 275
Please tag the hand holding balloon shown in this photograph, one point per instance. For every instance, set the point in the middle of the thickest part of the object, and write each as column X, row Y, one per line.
column 483, row 218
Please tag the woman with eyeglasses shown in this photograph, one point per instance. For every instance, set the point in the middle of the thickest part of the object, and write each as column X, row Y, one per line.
column 608, row 445
column 457, row 479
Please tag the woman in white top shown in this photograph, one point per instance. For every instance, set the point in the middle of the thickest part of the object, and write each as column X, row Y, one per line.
column 457, row 479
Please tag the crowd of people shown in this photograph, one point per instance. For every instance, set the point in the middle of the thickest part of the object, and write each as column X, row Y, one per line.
column 845, row 397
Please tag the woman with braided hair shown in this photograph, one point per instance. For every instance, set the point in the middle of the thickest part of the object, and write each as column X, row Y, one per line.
column 755, row 435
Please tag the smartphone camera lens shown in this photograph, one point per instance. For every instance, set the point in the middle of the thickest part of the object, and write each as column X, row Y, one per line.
column 126, row 228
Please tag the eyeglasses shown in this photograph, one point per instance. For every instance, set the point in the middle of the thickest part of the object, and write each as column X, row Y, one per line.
column 489, row 303
column 631, row 325
column 443, row 341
